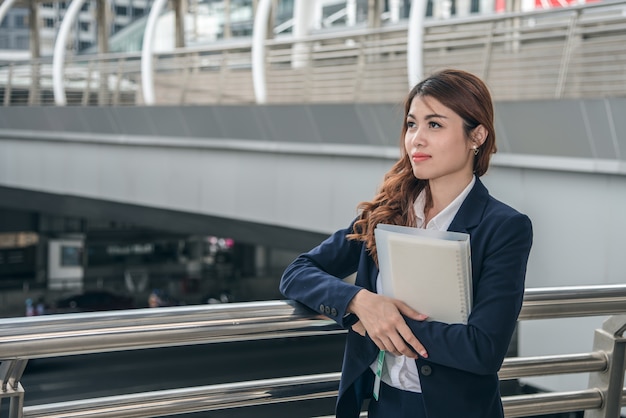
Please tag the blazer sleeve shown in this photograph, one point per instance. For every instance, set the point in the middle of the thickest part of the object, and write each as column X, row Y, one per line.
column 500, row 253
column 315, row 278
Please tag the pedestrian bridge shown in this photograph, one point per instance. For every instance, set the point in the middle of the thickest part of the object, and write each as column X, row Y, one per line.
column 279, row 169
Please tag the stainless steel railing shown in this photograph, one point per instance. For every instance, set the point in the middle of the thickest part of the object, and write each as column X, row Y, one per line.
column 69, row 334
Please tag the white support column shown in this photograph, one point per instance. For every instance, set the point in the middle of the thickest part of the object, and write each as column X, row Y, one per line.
column 394, row 11
column 58, row 58
column 350, row 13
column 487, row 7
column 259, row 34
column 463, row 8
column 4, row 8
column 415, row 42
column 147, row 71
column 444, row 9
column 303, row 11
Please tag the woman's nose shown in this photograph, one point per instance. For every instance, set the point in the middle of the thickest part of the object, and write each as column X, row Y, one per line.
column 416, row 138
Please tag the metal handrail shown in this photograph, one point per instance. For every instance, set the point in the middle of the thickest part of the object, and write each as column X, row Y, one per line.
column 573, row 301
column 204, row 398
column 516, row 367
column 231, row 395
column 81, row 333
column 70, row 334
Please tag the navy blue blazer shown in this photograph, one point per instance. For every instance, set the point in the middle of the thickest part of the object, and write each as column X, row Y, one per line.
column 459, row 378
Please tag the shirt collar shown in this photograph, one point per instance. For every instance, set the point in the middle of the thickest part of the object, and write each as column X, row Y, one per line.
column 444, row 218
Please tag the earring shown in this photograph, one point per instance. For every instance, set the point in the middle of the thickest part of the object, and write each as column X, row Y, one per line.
column 475, row 150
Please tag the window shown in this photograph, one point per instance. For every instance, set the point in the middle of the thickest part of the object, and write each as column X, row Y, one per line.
column 22, row 42
column 21, row 21
column 84, row 26
column 121, row 11
column 48, row 22
column 71, row 256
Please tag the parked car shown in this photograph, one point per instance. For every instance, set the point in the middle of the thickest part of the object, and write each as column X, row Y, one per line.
column 90, row 301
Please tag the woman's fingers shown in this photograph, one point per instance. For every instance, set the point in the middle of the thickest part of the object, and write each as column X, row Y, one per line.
column 412, row 343
column 395, row 345
column 406, row 310
column 381, row 317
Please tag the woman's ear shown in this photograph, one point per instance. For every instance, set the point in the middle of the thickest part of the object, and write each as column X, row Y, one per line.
column 479, row 135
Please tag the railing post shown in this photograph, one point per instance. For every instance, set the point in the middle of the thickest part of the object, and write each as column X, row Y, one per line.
column 10, row 387
column 610, row 339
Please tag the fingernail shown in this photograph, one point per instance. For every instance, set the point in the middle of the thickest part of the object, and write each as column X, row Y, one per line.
column 424, row 354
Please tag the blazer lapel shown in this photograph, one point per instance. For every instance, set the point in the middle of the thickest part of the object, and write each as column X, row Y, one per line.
column 471, row 211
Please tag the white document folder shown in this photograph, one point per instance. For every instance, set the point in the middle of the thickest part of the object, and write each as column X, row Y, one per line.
column 427, row 269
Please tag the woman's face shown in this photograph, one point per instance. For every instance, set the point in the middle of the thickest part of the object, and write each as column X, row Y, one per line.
column 436, row 143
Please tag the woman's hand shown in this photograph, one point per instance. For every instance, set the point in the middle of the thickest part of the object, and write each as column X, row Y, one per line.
column 380, row 317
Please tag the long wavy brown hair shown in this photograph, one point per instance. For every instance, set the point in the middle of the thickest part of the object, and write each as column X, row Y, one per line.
column 467, row 96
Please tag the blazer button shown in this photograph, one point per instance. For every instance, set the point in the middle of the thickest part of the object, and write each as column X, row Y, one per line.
column 327, row 310
column 426, row 370
column 333, row 312
column 322, row 308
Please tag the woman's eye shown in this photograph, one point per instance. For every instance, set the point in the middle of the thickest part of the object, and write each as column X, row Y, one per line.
column 410, row 124
column 434, row 124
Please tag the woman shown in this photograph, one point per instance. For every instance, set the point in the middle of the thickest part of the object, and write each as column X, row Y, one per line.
column 430, row 369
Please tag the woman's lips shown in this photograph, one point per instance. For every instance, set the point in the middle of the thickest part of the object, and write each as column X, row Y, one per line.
column 419, row 156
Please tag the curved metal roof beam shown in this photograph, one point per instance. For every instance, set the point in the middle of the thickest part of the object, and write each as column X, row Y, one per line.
column 4, row 8
column 415, row 42
column 58, row 58
column 259, row 34
column 147, row 70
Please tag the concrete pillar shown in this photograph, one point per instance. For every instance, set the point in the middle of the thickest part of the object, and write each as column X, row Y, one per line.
column 102, row 25
column 35, row 53
column 374, row 8
column 514, row 6
column 227, row 32
column 180, row 12
column 350, row 13
column 102, row 21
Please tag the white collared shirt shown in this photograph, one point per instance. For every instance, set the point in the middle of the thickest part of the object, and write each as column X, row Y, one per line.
column 401, row 371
